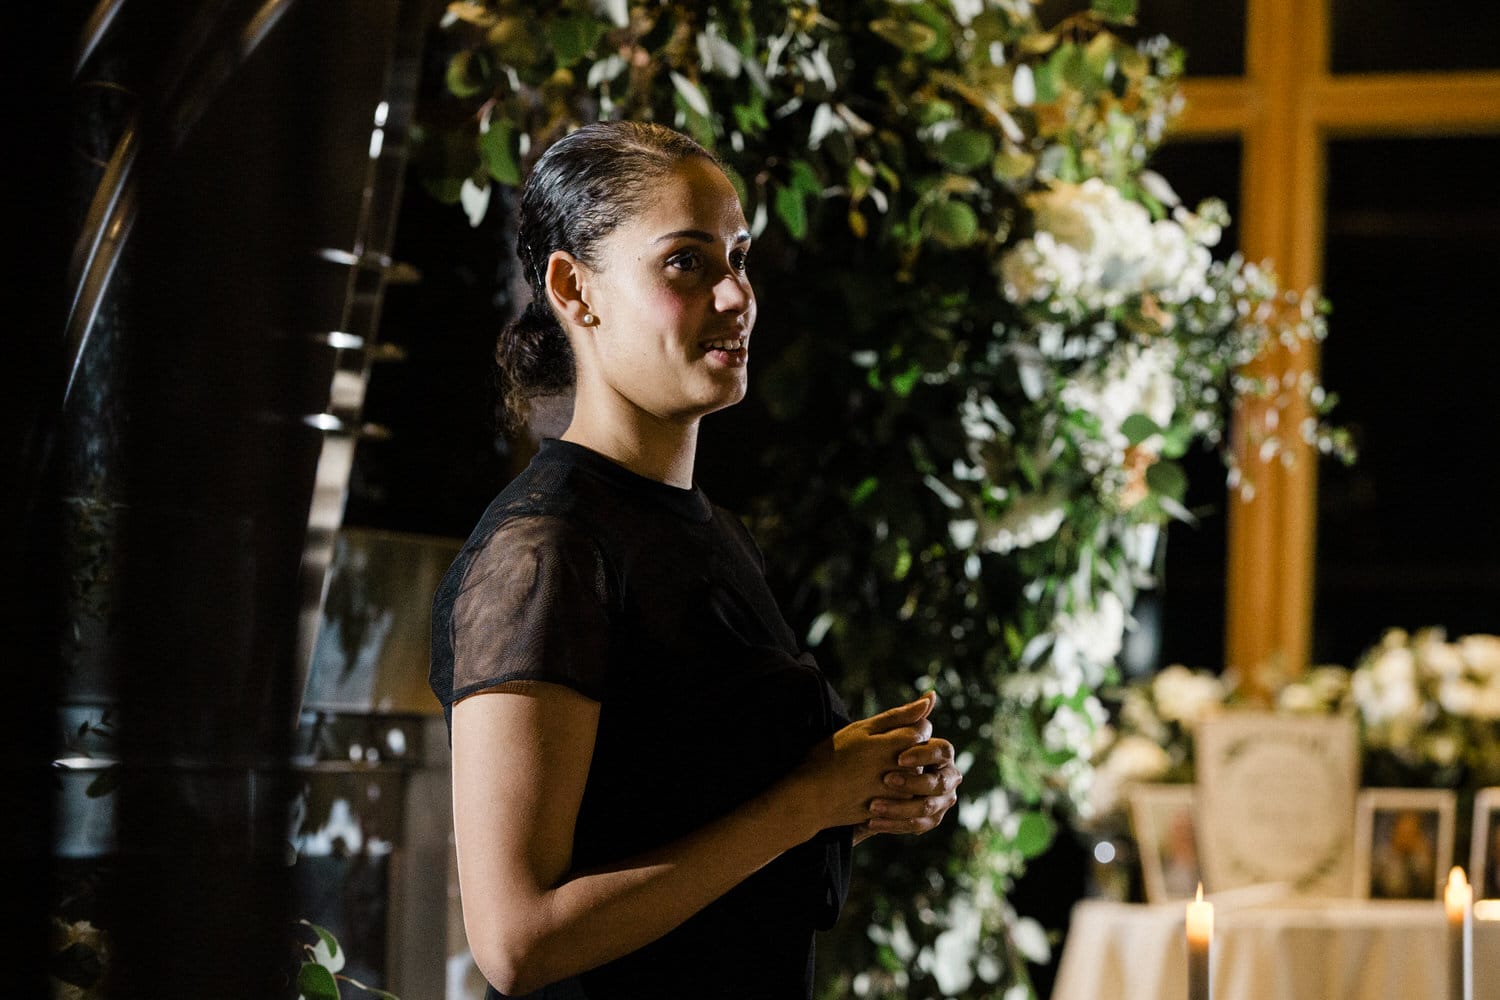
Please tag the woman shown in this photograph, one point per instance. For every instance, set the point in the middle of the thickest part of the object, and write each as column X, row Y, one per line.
column 655, row 793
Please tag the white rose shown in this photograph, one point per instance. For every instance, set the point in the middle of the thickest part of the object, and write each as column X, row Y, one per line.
column 1385, row 689
column 1184, row 695
column 1298, row 699
column 1481, row 654
column 1437, row 658
column 1133, row 759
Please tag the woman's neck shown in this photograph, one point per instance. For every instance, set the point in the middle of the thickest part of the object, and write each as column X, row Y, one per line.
column 660, row 451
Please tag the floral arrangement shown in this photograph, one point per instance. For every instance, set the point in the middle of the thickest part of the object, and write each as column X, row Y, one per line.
column 1014, row 324
column 1427, row 708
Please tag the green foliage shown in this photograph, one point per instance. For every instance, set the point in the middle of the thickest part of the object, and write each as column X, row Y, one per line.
column 934, row 185
column 318, row 974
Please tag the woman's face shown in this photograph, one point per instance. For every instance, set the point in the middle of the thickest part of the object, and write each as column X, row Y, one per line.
column 672, row 301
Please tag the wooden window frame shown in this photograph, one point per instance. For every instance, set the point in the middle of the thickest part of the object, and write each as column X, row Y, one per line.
column 1284, row 110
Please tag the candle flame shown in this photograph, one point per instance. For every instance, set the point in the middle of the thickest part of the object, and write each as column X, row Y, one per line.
column 1457, row 878
column 1200, row 892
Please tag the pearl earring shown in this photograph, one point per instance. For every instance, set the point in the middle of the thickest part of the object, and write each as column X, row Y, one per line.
column 588, row 319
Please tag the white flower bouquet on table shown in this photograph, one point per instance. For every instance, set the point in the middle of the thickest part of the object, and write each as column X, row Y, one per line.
column 1429, row 709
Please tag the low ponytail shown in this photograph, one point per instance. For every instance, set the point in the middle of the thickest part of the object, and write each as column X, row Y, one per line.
column 533, row 358
column 581, row 189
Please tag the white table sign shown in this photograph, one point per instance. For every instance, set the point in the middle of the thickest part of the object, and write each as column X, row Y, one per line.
column 1276, row 801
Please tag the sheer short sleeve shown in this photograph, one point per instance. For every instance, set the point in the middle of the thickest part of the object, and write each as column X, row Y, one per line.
column 533, row 604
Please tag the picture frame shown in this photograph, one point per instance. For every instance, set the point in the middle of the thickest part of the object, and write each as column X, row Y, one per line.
column 1275, row 800
column 1403, row 842
column 1163, row 818
column 1484, row 845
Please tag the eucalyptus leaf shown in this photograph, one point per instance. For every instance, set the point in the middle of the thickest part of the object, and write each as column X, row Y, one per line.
column 1138, row 427
column 950, row 223
column 468, row 73
column 912, row 36
column 574, row 35
column 1116, row 11
column 1167, row 479
column 498, row 151
column 966, row 149
column 1034, row 834
column 791, row 211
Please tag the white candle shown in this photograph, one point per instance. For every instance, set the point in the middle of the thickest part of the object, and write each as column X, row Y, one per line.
column 1458, row 901
column 1200, row 936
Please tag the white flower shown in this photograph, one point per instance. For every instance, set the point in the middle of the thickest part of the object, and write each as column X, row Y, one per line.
column 1073, row 730
column 1463, row 697
column 1481, row 654
column 1385, row 689
column 1329, row 683
column 1088, row 640
column 1139, row 716
column 1298, row 699
column 1132, row 759
column 1136, row 380
column 956, row 949
column 1031, row 940
column 1093, row 248
column 1031, row 518
column 1437, row 658
column 1184, row 695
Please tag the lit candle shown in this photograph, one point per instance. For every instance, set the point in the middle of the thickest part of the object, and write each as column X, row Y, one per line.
column 1458, row 900
column 1200, row 936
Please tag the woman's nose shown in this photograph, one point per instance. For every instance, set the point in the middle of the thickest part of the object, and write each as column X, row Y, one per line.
column 733, row 294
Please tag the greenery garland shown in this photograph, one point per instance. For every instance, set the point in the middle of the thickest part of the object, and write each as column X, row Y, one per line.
column 1013, row 325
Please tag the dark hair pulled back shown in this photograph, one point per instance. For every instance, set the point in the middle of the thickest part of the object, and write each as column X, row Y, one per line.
column 583, row 187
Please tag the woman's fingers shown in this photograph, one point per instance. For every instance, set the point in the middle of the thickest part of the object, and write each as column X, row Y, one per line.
column 909, row 714
column 937, row 781
column 930, row 753
column 913, row 815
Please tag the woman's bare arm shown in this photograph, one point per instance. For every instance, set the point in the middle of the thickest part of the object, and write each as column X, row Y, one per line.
column 520, row 759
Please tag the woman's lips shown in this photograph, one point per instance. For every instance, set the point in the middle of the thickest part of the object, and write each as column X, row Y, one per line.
column 730, row 351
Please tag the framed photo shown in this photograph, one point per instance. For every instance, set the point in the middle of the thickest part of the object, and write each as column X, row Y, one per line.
column 1484, row 851
column 1403, row 842
column 1275, row 801
column 1164, row 820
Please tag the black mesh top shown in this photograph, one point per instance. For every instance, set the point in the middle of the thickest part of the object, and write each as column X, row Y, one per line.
column 653, row 601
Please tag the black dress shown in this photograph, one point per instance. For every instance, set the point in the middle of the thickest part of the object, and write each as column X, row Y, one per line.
column 653, row 601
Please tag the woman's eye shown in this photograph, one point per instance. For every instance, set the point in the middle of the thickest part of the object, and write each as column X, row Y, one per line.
column 739, row 260
column 688, row 260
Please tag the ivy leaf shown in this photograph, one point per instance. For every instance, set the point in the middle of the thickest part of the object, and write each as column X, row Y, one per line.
column 316, row 983
column 966, row 148
column 326, row 952
column 498, row 151
column 953, row 224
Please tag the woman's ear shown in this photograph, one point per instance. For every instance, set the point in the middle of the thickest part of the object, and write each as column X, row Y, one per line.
column 567, row 287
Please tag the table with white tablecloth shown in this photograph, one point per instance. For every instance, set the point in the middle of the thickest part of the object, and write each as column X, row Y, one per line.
column 1278, row 949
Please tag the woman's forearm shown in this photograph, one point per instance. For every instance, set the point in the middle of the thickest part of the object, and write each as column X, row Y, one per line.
column 593, row 917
